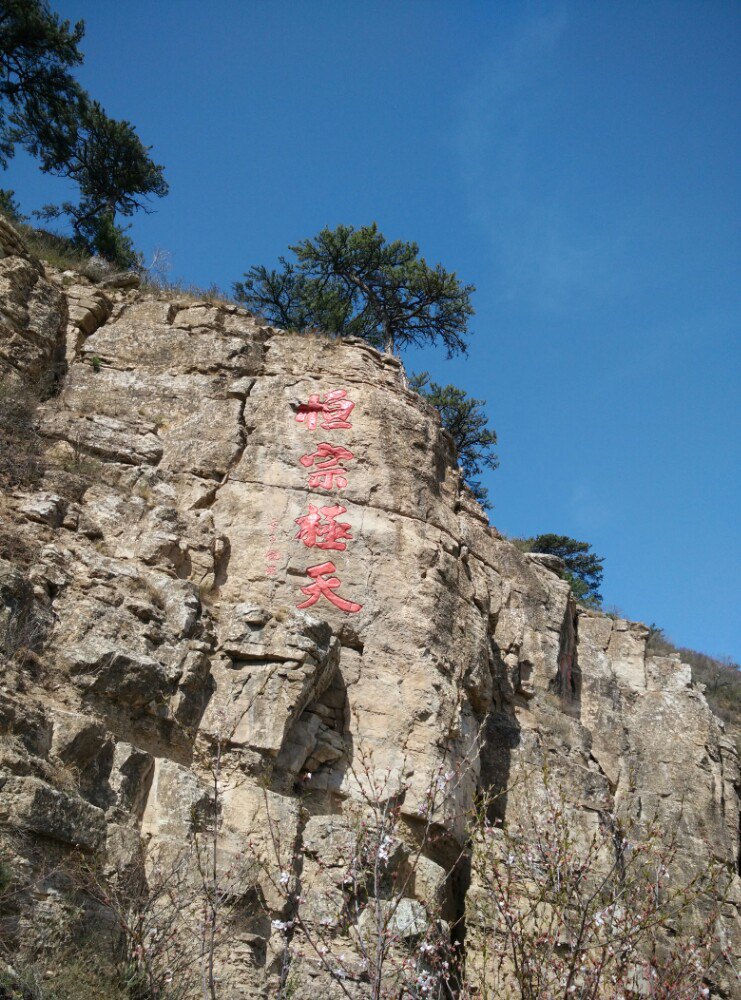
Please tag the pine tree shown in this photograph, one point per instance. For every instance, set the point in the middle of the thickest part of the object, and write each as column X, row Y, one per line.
column 45, row 111
column 37, row 89
column 353, row 282
column 115, row 176
column 583, row 567
column 465, row 419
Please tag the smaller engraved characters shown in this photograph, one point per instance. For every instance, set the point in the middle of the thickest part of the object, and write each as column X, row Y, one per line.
column 272, row 555
column 326, row 588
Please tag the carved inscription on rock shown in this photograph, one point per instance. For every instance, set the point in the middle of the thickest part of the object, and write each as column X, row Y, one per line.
column 327, row 469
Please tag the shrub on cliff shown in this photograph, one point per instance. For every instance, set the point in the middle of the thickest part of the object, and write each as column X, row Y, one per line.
column 601, row 911
column 465, row 420
column 554, row 909
column 10, row 207
column 353, row 282
column 583, row 567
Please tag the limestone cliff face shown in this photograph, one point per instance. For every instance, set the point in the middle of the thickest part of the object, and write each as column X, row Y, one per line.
column 258, row 543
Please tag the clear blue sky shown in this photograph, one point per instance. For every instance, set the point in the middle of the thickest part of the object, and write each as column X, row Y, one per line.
column 577, row 161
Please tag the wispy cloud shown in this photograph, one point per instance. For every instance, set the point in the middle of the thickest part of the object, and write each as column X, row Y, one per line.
column 589, row 509
column 541, row 250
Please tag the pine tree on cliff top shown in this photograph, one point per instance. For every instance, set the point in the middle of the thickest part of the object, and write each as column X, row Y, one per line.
column 114, row 173
column 37, row 52
column 353, row 282
column 583, row 567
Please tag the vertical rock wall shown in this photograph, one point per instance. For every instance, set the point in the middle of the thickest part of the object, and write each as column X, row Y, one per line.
column 208, row 475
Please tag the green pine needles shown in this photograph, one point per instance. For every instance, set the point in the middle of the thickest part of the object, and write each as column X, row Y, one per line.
column 45, row 111
column 355, row 283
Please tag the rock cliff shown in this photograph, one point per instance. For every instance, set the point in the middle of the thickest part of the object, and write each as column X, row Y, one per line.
column 247, row 578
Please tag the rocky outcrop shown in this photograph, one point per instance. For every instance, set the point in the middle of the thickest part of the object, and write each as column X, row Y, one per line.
column 33, row 314
column 255, row 569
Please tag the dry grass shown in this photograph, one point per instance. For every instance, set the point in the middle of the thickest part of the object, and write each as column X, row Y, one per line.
column 52, row 248
column 212, row 296
column 20, row 448
column 84, row 972
column 721, row 677
column 15, row 547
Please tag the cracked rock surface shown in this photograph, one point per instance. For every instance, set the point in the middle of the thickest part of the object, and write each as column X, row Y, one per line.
column 150, row 588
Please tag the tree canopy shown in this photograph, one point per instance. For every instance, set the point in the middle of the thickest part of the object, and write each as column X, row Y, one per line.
column 37, row 52
column 353, row 282
column 465, row 419
column 113, row 171
column 583, row 567
column 44, row 110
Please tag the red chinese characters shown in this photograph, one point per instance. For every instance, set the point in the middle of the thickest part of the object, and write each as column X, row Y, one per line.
column 326, row 588
column 328, row 472
column 334, row 411
column 319, row 529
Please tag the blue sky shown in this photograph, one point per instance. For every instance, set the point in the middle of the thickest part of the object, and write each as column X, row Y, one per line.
column 577, row 162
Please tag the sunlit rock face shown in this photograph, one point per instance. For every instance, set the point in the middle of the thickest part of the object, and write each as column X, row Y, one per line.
column 254, row 586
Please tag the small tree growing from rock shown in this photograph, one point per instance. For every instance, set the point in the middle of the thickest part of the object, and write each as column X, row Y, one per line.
column 464, row 418
column 583, row 567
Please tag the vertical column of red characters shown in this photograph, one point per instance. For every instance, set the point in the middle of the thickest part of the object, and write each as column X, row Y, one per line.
column 320, row 527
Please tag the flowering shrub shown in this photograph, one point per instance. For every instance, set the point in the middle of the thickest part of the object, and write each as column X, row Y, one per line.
column 555, row 913
column 356, row 916
column 561, row 902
